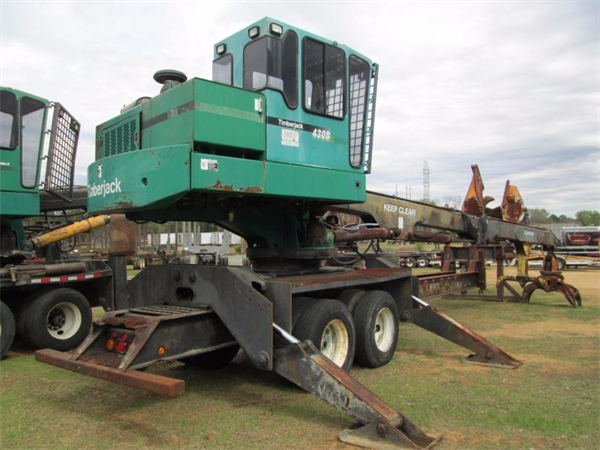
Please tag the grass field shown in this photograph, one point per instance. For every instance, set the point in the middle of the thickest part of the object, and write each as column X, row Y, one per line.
column 552, row 401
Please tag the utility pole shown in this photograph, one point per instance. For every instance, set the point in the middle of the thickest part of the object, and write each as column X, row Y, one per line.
column 426, row 180
column 408, row 189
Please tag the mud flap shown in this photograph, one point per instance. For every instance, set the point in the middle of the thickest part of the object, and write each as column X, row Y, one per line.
column 379, row 425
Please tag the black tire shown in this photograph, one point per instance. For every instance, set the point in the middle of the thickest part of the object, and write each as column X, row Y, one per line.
column 350, row 297
column 7, row 329
column 372, row 349
column 213, row 360
column 59, row 319
column 410, row 262
column 335, row 318
column 422, row 261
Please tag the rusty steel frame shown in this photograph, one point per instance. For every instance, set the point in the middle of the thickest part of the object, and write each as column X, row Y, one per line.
column 149, row 382
column 379, row 425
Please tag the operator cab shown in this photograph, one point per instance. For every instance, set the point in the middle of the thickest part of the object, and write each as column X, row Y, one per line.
column 320, row 95
column 22, row 118
column 22, row 130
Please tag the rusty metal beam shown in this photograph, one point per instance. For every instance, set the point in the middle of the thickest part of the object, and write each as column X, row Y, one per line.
column 435, row 285
column 485, row 353
column 382, row 426
column 157, row 384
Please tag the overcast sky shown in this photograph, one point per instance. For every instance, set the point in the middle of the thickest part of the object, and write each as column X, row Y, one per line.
column 511, row 86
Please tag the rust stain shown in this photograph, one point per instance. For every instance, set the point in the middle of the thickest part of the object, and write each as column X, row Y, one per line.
column 253, row 189
column 222, row 187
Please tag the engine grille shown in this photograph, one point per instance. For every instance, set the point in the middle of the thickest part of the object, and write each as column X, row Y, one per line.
column 122, row 137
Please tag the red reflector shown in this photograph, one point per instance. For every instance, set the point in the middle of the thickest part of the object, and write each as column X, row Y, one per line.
column 113, row 335
column 124, row 337
column 120, row 346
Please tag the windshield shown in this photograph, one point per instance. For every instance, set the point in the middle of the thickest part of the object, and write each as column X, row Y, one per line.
column 32, row 122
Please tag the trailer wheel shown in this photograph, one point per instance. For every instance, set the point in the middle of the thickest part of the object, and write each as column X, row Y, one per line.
column 59, row 319
column 213, row 360
column 410, row 262
column 7, row 329
column 422, row 261
column 329, row 325
column 376, row 321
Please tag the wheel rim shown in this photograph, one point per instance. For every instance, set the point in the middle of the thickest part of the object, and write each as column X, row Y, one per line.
column 63, row 321
column 335, row 342
column 384, row 329
column 421, row 262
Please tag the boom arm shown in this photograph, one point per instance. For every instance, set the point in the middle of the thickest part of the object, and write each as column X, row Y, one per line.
column 404, row 217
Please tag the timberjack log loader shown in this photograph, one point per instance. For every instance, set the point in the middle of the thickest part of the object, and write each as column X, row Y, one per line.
column 280, row 136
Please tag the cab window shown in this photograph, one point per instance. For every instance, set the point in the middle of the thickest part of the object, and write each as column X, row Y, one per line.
column 222, row 70
column 271, row 62
column 32, row 122
column 324, row 78
column 8, row 120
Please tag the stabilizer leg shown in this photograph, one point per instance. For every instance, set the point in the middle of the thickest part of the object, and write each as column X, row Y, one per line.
column 485, row 353
column 379, row 426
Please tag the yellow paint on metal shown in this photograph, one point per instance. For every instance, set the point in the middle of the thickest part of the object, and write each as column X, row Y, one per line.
column 70, row 230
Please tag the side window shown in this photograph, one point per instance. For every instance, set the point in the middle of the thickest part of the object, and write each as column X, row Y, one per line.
column 8, row 120
column 324, row 78
column 283, row 67
column 273, row 63
column 359, row 77
column 32, row 122
column 222, row 70
column 255, row 64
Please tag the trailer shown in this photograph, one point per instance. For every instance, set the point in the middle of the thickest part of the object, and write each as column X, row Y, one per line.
column 282, row 135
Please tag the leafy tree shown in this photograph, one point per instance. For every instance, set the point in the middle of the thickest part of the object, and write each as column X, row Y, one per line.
column 588, row 218
column 538, row 216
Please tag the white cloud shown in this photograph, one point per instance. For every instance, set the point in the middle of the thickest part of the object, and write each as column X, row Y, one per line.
column 510, row 86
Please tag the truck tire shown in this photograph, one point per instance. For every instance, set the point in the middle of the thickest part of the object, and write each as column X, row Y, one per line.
column 213, row 360
column 376, row 322
column 7, row 329
column 410, row 262
column 350, row 297
column 329, row 325
column 422, row 261
column 59, row 319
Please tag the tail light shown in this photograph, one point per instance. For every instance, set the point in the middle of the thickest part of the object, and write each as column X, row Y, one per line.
column 119, row 340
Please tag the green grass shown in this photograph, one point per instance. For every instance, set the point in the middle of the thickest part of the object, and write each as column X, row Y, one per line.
column 552, row 401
